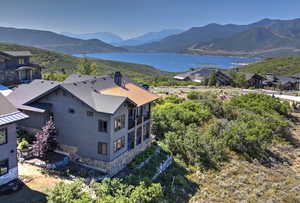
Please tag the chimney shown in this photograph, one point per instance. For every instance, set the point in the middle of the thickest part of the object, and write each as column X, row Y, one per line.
column 118, row 78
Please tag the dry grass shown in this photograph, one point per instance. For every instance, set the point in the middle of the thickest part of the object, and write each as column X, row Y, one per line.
column 242, row 181
column 36, row 186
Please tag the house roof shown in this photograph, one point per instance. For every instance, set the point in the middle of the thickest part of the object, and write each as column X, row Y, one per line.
column 285, row 80
column 297, row 75
column 9, row 113
column 25, row 93
column 18, row 53
column 5, row 90
column 136, row 94
column 199, row 73
column 88, row 91
column 249, row 76
column 79, row 78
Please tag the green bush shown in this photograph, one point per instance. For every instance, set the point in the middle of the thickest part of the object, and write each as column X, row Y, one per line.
column 23, row 144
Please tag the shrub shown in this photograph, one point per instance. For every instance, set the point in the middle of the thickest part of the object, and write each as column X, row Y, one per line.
column 23, row 144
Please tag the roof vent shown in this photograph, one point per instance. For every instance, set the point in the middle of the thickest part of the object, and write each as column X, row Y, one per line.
column 118, row 78
column 75, row 84
column 84, row 82
column 52, row 83
column 42, row 81
column 79, row 76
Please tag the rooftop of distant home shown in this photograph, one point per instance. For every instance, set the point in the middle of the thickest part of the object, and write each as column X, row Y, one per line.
column 102, row 93
column 17, row 53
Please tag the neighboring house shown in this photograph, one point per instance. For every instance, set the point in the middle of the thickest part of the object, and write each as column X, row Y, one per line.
column 200, row 75
column 254, row 80
column 16, row 68
column 9, row 115
column 297, row 78
column 102, row 122
column 283, row 83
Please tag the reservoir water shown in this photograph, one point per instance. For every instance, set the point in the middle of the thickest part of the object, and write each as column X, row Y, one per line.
column 173, row 62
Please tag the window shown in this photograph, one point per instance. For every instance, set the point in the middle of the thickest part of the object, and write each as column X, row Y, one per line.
column 21, row 61
column 3, row 136
column 3, row 167
column 102, row 148
column 119, row 122
column 102, row 126
column 72, row 111
column 119, row 144
column 130, row 141
column 90, row 113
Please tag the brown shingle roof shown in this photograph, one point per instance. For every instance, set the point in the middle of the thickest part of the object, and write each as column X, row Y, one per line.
column 136, row 94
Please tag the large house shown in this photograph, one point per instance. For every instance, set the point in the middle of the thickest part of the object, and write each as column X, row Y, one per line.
column 9, row 115
column 281, row 82
column 200, row 75
column 16, row 68
column 254, row 80
column 102, row 122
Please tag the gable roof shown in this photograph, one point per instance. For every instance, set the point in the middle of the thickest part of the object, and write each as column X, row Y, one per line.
column 79, row 78
column 88, row 91
column 25, row 93
column 17, row 53
column 9, row 113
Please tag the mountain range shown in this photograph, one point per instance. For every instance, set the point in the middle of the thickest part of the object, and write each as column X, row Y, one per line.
column 148, row 37
column 56, row 42
column 265, row 37
column 116, row 40
column 107, row 37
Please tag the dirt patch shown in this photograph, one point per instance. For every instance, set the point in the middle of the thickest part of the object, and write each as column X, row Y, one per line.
column 37, row 185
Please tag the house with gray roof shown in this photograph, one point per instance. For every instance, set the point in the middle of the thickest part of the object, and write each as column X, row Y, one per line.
column 102, row 122
column 281, row 82
column 9, row 115
column 16, row 68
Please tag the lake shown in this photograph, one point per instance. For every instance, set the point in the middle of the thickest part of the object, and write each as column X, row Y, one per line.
column 172, row 62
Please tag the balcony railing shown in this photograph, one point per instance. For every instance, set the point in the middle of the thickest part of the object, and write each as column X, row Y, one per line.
column 139, row 119
column 147, row 116
column 131, row 123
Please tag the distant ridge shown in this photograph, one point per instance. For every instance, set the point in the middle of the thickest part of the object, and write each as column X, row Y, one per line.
column 266, row 37
column 53, row 41
column 107, row 37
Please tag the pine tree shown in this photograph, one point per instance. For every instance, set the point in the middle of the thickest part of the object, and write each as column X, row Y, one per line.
column 84, row 67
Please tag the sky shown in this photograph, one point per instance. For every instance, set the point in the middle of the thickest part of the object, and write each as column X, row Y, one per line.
column 129, row 18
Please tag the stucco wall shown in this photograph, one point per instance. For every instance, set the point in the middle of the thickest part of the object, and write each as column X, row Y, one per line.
column 8, row 151
column 78, row 130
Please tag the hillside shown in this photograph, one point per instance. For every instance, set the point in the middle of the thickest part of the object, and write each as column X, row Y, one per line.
column 148, row 37
column 179, row 42
column 55, row 62
column 285, row 65
column 107, row 37
column 263, row 38
column 250, row 41
column 55, row 42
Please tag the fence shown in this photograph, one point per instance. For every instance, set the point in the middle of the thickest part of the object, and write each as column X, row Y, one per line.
column 163, row 166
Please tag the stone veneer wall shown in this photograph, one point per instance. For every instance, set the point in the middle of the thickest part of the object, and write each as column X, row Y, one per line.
column 112, row 167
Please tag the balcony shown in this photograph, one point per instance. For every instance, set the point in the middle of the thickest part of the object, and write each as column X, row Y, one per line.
column 147, row 116
column 131, row 123
column 139, row 119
